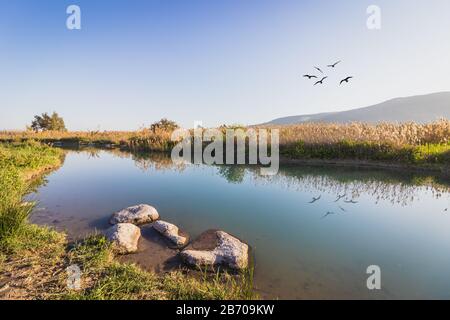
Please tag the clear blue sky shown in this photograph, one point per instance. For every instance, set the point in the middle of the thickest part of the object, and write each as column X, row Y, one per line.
column 216, row 61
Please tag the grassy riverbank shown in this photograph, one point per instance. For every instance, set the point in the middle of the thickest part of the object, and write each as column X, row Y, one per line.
column 407, row 143
column 33, row 259
column 420, row 155
column 421, row 145
column 142, row 140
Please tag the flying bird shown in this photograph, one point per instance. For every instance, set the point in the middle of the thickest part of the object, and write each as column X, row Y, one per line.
column 309, row 76
column 327, row 214
column 318, row 69
column 320, row 81
column 334, row 64
column 315, row 199
column 339, row 197
column 345, row 80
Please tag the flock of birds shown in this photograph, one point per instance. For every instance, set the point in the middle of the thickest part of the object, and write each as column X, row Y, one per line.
column 339, row 197
column 332, row 66
column 346, row 200
column 346, row 80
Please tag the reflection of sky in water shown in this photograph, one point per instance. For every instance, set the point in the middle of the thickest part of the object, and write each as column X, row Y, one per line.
column 299, row 252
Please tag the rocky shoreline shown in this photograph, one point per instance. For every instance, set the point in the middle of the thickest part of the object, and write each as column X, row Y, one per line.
column 211, row 249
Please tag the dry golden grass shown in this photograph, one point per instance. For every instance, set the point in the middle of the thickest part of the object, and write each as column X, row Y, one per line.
column 154, row 140
column 410, row 133
column 116, row 137
column 404, row 142
column 145, row 139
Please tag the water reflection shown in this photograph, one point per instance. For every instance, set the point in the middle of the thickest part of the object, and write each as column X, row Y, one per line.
column 314, row 230
column 348, row 184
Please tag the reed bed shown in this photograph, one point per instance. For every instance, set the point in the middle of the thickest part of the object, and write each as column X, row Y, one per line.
column 396, row 142
column 104, row 137
column 145, row 139
column 409, row 143
column 401, row 134
column 409, row 133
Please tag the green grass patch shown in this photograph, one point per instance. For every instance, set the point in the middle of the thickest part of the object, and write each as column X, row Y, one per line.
column 94, row 252
column 16, row 162
column 432, row 153
column 128, row 282
column 30, row 239
column 119, row 282
column 349, row 150
column 29, row 156
column 216, row 286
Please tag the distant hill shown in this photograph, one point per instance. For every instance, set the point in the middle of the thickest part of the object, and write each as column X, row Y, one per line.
column 424, row 108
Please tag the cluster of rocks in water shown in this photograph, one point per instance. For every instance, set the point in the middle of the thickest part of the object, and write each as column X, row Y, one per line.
column 221, row 249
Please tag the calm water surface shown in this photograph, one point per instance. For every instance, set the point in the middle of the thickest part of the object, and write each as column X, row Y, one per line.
column 301, row 249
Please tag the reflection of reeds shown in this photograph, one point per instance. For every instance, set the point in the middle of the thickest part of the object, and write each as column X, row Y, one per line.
column 397, row 187
column 156, row 161
column 382, row 186
column 145, row 161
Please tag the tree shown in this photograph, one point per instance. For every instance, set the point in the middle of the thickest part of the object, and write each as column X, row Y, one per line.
column 164, row 124
column 44, row 122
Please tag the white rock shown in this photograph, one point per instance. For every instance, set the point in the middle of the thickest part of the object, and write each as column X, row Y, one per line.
column 230, row 252
column 170, row 231
column 125, row 237
column 140, row 214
